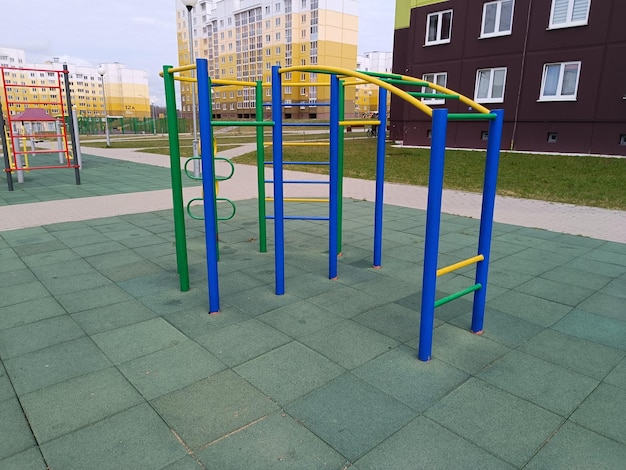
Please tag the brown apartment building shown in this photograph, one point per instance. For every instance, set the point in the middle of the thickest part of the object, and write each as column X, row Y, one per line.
column 556, row 67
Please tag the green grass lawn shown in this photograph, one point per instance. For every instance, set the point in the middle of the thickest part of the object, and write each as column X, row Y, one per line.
column 581, row 180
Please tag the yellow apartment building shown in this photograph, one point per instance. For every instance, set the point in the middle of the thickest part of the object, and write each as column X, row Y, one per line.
column 242, row 39
column 366, row 95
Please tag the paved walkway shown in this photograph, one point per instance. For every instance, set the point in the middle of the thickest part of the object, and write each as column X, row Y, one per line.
column 565, row 218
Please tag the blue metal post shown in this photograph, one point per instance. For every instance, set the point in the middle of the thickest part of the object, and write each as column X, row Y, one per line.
column 486, row 218
column 208, row 182
column 279, row 210
column 433, row 222
column 380, row 177
column 334, row 177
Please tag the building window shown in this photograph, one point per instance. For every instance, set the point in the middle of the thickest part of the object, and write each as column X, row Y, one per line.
column 490, row 85
column 568, row 13
column 497, row 18
column 552, row 137
column 622, row 139
column 484, row 135
column 441, row 79
column 560, row 81
column 439, row 27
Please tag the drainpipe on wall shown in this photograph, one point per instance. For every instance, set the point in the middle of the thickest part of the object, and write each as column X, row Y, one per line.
column 521, row 76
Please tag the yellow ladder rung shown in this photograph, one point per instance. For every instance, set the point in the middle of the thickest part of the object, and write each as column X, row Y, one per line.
column 359, row 123
column 459, row 265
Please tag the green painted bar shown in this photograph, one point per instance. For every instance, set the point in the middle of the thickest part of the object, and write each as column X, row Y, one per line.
column 182, row 263
column 470, row 117
column 381, row 74
column 242, row 123
column 417, row 94
column 341, row 143
column 452, row 297
column 405, row 82
column 260, row 167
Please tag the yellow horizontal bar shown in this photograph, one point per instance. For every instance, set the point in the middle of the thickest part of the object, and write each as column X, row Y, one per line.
column 306, row 144
column 220, row 81
column 295, row 84
column 355, row 74
column 182, row 68
column 359, row 123
column 462, row 98
column 300, row 199
column 459, row 265
column 185, row 79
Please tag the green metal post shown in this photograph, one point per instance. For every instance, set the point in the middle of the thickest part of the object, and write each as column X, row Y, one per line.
column 177, row 185
column 342, row 113
column 260, row 165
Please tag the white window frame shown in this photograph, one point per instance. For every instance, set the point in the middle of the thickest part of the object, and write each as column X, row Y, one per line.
column 438, row 40
column 435, row 80
column 497, row 20
column 559, row 96
column 569, row 21
column 490, row 98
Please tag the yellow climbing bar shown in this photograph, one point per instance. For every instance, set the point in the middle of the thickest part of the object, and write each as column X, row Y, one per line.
column 306, row 144
column 351, row 73
column 459, row 265
column 182, row 68
column 220, row 81
column 447, row 91
column 362, row 122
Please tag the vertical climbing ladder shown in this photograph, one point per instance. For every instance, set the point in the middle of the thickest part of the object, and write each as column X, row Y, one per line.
column 278, row 180
column 433, row 221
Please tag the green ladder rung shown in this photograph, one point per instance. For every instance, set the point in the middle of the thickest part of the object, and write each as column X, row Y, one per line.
column 452, row 297
column 471, row 116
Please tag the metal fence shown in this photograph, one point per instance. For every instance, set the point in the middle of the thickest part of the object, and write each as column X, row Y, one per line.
column 95, row 125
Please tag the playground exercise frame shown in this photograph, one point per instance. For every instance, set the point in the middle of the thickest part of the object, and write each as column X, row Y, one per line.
column 386, row 83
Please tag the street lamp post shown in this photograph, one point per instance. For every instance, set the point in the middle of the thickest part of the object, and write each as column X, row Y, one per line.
column 190, row 4
column 153, row 114
column 101, row 71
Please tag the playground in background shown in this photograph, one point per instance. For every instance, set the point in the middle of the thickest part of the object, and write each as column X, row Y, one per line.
column 43, row 115
column 339, row 79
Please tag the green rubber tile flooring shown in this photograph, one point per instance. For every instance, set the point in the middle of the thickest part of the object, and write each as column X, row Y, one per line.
column 105, row 363
column 101, row 177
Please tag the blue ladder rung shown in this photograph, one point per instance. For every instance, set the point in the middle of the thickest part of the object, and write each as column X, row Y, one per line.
column 297, row 217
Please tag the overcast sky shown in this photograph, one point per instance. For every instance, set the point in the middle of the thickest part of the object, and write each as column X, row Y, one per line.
column 140, row 34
